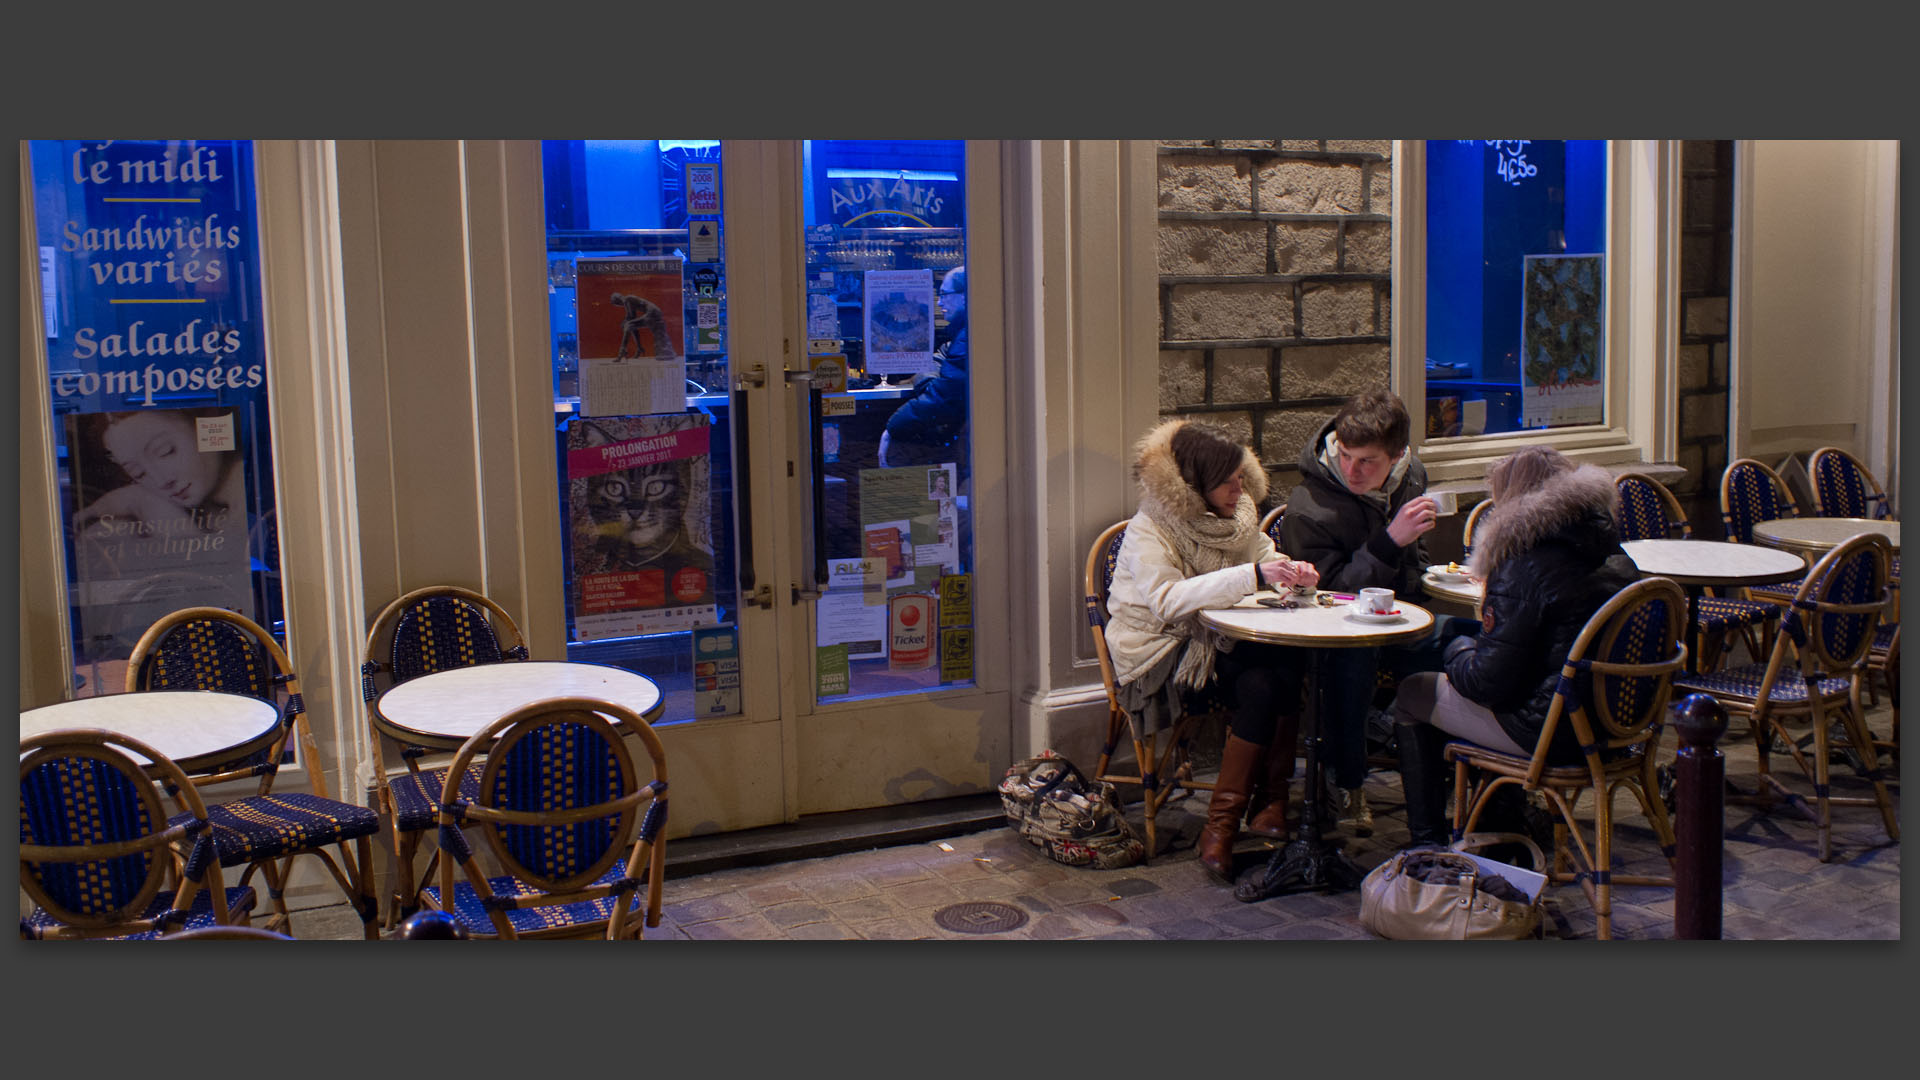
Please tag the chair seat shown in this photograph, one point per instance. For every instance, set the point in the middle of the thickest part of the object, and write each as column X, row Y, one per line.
column 1719, row 613
column 1518, row 764
column 1743, row 683
column 240, row 898
column 416, row 796
column 271, row 826
column 1782, row 593
column 529, row 921
column 1883, row 637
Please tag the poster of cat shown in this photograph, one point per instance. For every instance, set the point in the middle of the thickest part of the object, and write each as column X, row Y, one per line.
column 640, row 525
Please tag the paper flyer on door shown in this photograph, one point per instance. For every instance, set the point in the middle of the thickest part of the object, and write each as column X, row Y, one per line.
column 640, row 524
column 900, row 518
column 158, row 507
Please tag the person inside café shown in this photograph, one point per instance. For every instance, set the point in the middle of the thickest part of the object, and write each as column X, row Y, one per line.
column 1360, row 514
column 1550, row 555
column 1196, row 543
column 930, row 427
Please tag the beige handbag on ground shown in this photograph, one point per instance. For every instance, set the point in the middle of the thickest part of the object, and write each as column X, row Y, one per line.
column 1441, row 895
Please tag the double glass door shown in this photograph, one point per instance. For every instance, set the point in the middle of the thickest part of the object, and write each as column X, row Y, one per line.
column 763, row 423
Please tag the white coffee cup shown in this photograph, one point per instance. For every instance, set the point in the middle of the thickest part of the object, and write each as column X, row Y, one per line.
column 1378, row 601
column 1444, row 502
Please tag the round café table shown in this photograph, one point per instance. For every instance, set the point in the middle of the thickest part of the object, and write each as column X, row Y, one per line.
column 1696, row 564
column 1308, row 862
column 1468, row 592
column 1815, row 536
column 442, row 709
column 197, row 729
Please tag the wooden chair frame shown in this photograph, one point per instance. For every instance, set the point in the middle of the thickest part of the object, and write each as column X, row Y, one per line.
column 1802, row 651
column 159, row 847
column 1473, row 522
column 648, row 850
column 1603, row 737
column 1270, row 523
column 353, row 872
column 1159, row 772
column 403, row 898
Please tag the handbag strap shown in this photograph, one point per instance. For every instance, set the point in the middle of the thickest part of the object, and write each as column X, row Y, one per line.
column 1067, row 770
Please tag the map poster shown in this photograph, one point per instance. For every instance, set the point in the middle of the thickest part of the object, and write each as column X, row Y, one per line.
column 158, row 508
column 1562, row 341
column 640, row 525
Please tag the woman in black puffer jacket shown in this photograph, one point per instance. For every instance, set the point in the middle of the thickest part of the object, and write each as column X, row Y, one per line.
column 1550, row 555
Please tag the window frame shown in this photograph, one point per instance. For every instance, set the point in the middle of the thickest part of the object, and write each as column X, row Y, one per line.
column 1642, row 336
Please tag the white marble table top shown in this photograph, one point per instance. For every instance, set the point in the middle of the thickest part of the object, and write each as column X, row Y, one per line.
column 197, row 729
column 1820, row 535
column 1714, row 562
column 445, row 708
column 1314, row 626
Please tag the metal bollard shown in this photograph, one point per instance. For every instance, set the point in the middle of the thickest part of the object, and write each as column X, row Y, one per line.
column 1699, row 823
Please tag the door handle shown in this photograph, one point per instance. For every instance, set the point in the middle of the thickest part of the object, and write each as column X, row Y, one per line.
column 812, row 549
column 742, row 494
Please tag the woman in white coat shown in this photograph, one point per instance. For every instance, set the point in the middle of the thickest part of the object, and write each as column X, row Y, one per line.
column 1195, row 544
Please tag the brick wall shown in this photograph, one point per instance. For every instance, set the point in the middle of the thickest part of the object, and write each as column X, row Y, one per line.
column 1706, row 283
column 1275, row 259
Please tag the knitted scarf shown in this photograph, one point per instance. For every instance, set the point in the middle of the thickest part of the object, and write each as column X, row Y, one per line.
column 1201, row 545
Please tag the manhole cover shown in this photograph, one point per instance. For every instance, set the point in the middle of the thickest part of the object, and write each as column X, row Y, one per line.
column 980, row 918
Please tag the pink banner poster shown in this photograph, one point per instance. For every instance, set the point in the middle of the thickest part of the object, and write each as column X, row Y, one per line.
column 639, row 504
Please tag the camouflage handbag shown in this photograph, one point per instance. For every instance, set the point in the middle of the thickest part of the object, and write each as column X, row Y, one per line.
column 1073, row 820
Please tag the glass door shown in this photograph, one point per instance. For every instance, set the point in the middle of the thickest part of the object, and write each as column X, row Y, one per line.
column 775, row 332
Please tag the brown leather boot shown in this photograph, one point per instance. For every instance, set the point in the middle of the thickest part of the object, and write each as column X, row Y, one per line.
column 1269, row 809
column 1238, row 763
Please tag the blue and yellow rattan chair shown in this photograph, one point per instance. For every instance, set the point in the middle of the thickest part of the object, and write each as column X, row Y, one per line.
column 1646, row 510
column 1613, row 690
column 1815, row 673
column 97, row 848
column 1270, row 524
column 433, row 629
column 565, row 813
column 209, row 648
column 1751, row 493
column 1842, row 487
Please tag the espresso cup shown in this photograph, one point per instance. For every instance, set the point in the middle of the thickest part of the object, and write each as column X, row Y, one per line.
column 1444, row 502
column 1378, row 601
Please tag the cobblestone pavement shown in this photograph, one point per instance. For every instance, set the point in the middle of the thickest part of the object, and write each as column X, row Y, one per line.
column 1775, row 886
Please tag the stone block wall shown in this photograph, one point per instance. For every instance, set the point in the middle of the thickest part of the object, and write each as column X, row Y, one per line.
column 1706, row 286
column 1275, row 259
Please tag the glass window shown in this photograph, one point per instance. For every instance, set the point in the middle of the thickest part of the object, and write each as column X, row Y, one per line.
column 886, row 266
column 156, row 354
column 1516, row 275
column 637, row 283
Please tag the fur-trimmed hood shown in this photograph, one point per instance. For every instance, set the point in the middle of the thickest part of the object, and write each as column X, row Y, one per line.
column 1560, row 505
column 1160, row 477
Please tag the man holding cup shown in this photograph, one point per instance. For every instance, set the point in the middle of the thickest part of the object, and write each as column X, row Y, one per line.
column 1360, row 515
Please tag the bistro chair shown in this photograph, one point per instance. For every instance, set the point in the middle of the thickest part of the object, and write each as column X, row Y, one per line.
column 1270, row 524
column 1646, row 510
column 1815, row 673
column 1613, row 690
column 431, row 629
column 1473, row 522
column 209, row 648
column 1842, row 486
column 564, row 812
column 1158, row 772
column 97, row 845
column 1751, row 493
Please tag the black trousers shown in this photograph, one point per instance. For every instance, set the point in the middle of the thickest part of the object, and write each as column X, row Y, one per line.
column 1261, row 683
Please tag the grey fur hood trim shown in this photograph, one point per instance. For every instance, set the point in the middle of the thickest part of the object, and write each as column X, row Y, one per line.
column 1518, row 524
column 1160, row 477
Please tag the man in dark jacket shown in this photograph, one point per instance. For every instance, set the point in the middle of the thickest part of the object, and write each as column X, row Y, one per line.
column 1358, row 515
column 930, row 427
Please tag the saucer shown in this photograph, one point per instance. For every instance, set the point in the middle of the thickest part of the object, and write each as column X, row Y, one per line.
column 1441, row 573
column 1355, row 611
